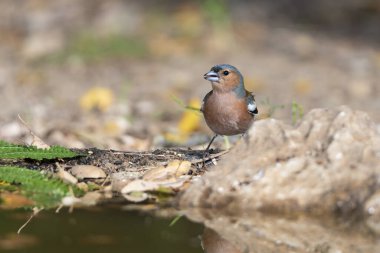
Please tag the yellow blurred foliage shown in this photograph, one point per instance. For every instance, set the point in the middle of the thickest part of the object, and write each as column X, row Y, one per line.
column 189, row 20
column 190, row 119
column 254, row 84
column 3, row 183
column 97, row 98
column 112, row 128
column 14, row 200
column 302, row 86
column 189, row 123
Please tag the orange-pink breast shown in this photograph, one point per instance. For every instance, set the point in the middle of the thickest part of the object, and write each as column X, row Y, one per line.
column 225, row 114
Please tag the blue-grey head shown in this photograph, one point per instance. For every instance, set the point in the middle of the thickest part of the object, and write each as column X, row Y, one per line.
column 225, row 77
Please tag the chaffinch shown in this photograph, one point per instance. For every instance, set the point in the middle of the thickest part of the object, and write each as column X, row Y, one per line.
column 228, row 109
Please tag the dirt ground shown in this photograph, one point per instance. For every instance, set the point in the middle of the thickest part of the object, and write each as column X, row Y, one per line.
column 150, row 55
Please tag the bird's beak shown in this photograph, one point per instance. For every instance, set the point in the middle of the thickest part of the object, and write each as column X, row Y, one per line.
column 211, row 76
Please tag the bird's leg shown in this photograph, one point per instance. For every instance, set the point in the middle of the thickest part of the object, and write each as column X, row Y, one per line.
column 206, row 150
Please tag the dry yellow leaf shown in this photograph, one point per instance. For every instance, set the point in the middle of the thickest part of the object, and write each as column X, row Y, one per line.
column 189, row 123
column 97, row 98
column 183, row 168
column 172, row 171
column 190, row 120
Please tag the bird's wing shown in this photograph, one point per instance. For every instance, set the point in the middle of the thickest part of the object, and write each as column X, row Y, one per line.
column 251, row 104
column 205, row 99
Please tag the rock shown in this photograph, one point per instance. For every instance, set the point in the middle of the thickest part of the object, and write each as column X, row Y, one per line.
column 87, row 171
column 372, row 207
column 66, row 177
column 212, row 242
column 329, row 163
column 258, row 232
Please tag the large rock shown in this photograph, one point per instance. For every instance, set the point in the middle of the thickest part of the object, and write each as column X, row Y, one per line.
column 328, row 163
column 273, row 234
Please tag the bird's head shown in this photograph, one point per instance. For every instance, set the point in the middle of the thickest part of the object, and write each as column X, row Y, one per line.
column 224, row 77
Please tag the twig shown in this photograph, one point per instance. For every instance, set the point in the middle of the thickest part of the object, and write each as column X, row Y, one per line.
column 35, row 212
column 104, row 181
column 210, row 157
column 37, row 141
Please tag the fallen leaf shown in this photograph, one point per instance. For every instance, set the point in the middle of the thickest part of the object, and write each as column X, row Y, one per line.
column 66, row 176
column 188, row 124
column 173, row 170
column 183, row 168
column 139, row 186
column 190, row 120
column 176, row 184
column 97, row 98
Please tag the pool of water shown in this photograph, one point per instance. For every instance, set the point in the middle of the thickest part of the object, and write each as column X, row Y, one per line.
column 100, row 230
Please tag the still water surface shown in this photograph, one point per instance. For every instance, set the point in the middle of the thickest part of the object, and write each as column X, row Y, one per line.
column 101, row 230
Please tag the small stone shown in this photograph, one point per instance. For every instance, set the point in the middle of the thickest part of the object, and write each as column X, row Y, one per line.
column 66, row 176
column 87, row 171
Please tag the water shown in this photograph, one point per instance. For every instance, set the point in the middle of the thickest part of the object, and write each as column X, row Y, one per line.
column 100, row 230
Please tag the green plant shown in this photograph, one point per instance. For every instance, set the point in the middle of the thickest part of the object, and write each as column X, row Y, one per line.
column 13, row 151
column 183, row 105
column 175, row 220
column 44, row 191
column 297, row 112
column 217, row 12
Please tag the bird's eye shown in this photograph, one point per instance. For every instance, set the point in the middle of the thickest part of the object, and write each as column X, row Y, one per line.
column 225, row 72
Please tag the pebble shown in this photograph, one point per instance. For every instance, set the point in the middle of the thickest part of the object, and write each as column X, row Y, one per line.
column 87, row 171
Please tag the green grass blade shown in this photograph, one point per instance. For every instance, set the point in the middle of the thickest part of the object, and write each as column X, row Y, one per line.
column 175, row 220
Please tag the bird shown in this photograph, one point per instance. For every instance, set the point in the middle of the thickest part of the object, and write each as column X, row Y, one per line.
column 228, row 109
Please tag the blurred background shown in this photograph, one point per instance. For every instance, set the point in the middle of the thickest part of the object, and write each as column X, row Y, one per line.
column 118, row 74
